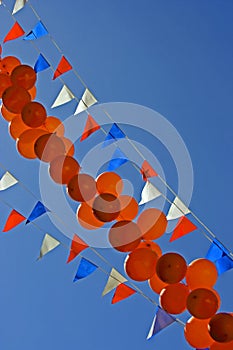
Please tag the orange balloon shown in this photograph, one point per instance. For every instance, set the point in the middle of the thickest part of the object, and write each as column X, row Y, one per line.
column 201, row 273
column 221, row 327
column 202, row 303
column 26, row 141
column 5, row 82
column 17, row 127
column 106, row 207
column 86, row 217
column 34, row 114
column 8, row 63
column 171, row 268
column 8, row 115
column 140, row 265
column 157, row 284
column 129, row 208
column 63, row 168
column 151, row 245
column 32, row 92
column 15, row 98
column 197, row 334
column 124, row 236
column 55, row 126
column 81, row 187
column 49, row 146
column 109, row 182
column 222, row 346
column 69, row 146
column 153, row 223
column 24, row 76
column 173, row 298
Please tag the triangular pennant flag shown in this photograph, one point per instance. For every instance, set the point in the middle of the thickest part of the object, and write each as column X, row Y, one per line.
column 177, row 209
column 19, row 4
column 49, row 243
column 90, row 127
column 149, row 192
column 224, row 264
column 63, row 67
column 161, row 320
column 85, row 268
column 147, row 171
column 37, row 32
column 13, row 220
column 216, row 251
column 7, row 181
column 117, row 160
column 86, row 101
column 122, row 292
column 114, row 134
column 41, row 64
column 183, row 227
column 64, row 96
column 115, row 278
column 77, row 246
column 15, row 32
column 37, row 211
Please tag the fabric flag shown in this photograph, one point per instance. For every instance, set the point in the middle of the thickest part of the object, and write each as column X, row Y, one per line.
column 113, row 135
column 49, row 243
column 15, row 32
column 7, row 181
column 77, row 246
column 117, row 160
column 115, row 278
column 86, row 101
column 41, row 64
column 122, row 292
column 147, row 171
column 85, row 268
column 90, row 127
column 37, row 32
column 63, row 67
column 224, row 264
column 37, row 211
column 216, row 251
column 177, row 209
column 161, row 320
column 149, row 192
column 19, row 4
column 183, row 227
column 64, row 96
column 13, row 220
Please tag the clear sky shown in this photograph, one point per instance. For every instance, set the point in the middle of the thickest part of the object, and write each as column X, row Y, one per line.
column 172, row 56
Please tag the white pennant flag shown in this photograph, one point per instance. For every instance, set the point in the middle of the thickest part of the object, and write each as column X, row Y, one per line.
column 149, row 193
column 64, row 96
column 19, row 4
column 49, row 243
column 7, row 181
column 115, row 278
column 86, row 101
column 177, row 209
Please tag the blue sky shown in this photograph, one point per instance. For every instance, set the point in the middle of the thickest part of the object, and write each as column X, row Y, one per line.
column 172, row 56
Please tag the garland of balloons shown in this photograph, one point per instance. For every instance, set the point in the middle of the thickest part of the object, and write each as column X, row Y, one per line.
column 40, row 136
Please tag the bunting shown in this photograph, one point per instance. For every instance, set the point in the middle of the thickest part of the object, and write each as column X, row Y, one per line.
column 118, row 159
column 37, row 32
column 77, row 246
column 113, row 135
column 90, row 127
column 49, row 243
column 63, row 67
column 149, row 192
column 19, row 4
column 15, row 32
column 64, row 96
column 13, row 220
column 37, row 211
column 115, row 278
column 224, row 264
column 183, row 227
column 177, row 209
column 147, row 171
column 7, row 181
column 41, row 64
column 161, row 320
column 86, row 101
column 122, row 292
column 85, row 268
column 216, row 251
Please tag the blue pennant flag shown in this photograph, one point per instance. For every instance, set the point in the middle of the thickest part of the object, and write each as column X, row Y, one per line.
column 41, row 64
column 114, row 134
column 117, row 160
column 161, row 320
column 216, row 251
column 37, row 211
column 224, row 264
column 37, row 32
column 85, row 268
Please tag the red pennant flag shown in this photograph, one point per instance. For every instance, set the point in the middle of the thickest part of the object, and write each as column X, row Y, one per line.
column 63, row 67
column 13, row 220
column 122, row 292
column 90, row 127
column 77, row 245
column 147, row 171
column 15, row 32
column 183, row 227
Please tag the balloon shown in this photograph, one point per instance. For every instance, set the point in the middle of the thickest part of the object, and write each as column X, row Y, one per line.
column 202, row 303
column 106, row 207
column 173, row 298
column 157, row 284
column 17, row 127
column 129, row 208
column 109, row 182
column 86, row 217
column 171, row 268
column 151, row 245
column 63, row 168
column 69, row 146
column 222, row 346
column 201, row 273
column 140, row 265
column 221, row 327
column 196, row 333
column 32, row 92
column 124, row 236
column 48, row 147
column 15, row 98
column 81, row 187
column 34, row 114
column 54, row 125
column 5, row 82
column 8, row 115
column 26, row 141
column 153, row 223
column 23, row 76
column 8, row 63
